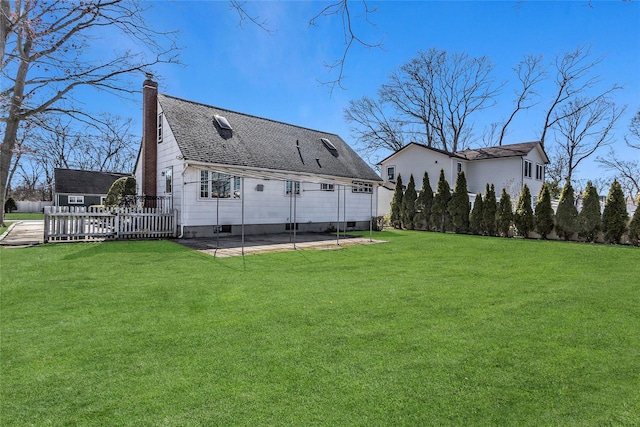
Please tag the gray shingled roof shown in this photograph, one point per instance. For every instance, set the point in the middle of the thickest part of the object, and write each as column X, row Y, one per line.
column 258, row 143
column 511, row 150
column 72, row 181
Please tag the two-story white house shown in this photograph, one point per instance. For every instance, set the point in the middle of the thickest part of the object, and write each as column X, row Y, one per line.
column 506, row 166
column 229, row 172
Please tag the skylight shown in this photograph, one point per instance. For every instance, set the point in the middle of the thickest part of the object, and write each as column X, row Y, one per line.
column 328, row 144
column 222, row 122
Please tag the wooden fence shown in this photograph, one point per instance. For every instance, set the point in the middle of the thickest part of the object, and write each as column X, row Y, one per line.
column 64, row 223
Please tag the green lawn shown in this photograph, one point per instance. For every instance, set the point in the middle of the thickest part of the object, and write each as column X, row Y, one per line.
column 14, row 216
column 428, row 329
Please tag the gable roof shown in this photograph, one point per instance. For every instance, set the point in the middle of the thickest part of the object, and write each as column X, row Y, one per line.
column 72, row 181
column 510, row 150
column 416, row 144
column 502, row 151
column 256, row 142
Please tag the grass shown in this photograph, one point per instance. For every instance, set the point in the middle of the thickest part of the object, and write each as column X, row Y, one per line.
column 14, row 216
column 428, row 329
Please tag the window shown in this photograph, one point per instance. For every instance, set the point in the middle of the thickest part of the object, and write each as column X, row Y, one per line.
column 218, row 185
column 391, row 173
column 459, row 167
column 527, row 169
column 328, row 144
column 326, row 187
column 362, row 187
column 289, row 184
column 539, row 172
column 168, row 180
column 222, row 122
column 159, row 128
column 76, row 200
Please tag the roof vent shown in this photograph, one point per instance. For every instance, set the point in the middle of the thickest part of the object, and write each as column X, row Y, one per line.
column 328, row 144
column 222, row 122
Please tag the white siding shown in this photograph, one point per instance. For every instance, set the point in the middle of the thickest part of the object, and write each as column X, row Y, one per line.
column 273, row 206
column 415, row 160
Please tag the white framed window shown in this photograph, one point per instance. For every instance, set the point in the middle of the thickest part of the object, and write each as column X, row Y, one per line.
column 168, row 180
column 327, row 187
column 459, row 167
column 290, row 186
column 391, row 173
column 527, row 169
column 76, row 200
column 160, row 128
column 362, row 187
column 215, row 185
column 539, row 172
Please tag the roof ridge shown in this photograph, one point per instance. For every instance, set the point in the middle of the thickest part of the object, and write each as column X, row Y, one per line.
column 249, row 115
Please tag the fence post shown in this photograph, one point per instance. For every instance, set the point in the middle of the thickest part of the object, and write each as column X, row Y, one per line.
column 46, row 224
column 117, row 223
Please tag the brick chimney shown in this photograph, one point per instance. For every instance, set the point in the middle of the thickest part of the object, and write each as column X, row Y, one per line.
column 149, row 138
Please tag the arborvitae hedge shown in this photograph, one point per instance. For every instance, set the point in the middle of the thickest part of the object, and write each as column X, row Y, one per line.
column 424, row 203
column 634, row 225
column 589, row 218
column 615, row 215
column 458, row 206
column 544, row 212
column 396, row 204
column 489, row 212
column 475, row 220
column 409, row 204
column 505, row 214
column 439, row 213
column 566, row 214
column 523, row 217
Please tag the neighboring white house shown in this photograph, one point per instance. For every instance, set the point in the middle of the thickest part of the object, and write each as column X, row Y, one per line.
column 226, row 171
column 507, row 166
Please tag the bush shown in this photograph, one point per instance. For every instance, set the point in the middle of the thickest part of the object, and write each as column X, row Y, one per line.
column 396, row 204
column 589, row 218
column 120, row 189
column 424, row 202
column 10, row 205
column 409, row 204
column 544, row 213
column 475, row 221
column 505, row 214
column 566, row 214
column 489, row 212
column 634, row 225
column 523, row 217
column 439, row 211
column 458, row 206
column 615, row 215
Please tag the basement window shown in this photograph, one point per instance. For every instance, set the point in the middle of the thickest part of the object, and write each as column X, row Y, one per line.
column 222, row 122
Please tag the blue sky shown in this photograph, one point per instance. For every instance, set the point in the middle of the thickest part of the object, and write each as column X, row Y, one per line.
column 277, row 76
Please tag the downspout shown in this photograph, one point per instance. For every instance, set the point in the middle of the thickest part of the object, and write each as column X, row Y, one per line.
column 182, row 213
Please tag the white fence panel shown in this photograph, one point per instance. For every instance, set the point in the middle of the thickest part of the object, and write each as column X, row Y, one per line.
column 64, row 223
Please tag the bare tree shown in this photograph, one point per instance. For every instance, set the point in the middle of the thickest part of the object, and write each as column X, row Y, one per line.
column 372, row 127
column 47, row 55
column 530, row 72
column 431, row 99
column 627, row 171
column 633, row 140
column 585, row 127
column 573, row 79
column 107, row 145
column 343, row 10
